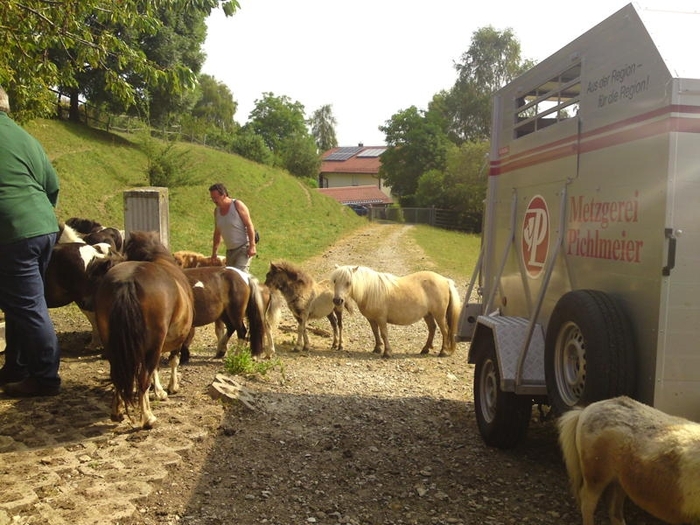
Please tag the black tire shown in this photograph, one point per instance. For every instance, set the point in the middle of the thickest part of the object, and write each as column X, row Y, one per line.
column 589, row 351
column 502, row 417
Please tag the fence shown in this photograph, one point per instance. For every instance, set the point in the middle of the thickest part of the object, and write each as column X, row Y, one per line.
column 439, row 218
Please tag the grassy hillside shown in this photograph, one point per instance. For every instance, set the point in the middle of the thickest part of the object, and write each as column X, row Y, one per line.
column 294, row 221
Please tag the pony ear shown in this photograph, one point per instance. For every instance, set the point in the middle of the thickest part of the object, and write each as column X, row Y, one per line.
column 355, row 268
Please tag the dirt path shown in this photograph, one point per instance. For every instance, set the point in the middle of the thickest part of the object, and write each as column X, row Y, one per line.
column 333, row 437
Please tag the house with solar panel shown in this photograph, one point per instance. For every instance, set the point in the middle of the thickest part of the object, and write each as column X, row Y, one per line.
column 350, row 175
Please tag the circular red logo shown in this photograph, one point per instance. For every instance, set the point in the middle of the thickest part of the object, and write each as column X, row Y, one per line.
column 535, row 238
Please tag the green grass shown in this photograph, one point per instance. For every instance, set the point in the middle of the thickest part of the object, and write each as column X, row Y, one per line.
column 240, row 362
column 295, row 222
column 454, row 253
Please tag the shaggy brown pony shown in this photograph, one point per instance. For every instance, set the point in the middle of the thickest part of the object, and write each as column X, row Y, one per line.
column 307, row 299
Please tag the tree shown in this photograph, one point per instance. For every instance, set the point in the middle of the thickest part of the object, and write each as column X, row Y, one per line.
column 177, row 43
column 461, row 186
column 31, row 30
column 323, row 124
column 251, row 146
column 417, row 144
column 216, row 104
column 492, row 60
column 299, row 156
column 276, row 119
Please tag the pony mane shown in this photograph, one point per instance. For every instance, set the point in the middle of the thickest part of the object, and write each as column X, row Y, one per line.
column 68, row 234
column 367, row 286
column 291, row 268
column 146, row 246
column 84, row 226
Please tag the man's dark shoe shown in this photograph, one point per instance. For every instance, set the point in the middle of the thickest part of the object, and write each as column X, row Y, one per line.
column 31, row 387
column 7, row 376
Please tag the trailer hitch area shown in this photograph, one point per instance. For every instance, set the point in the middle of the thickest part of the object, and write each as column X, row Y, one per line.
column 671, row 256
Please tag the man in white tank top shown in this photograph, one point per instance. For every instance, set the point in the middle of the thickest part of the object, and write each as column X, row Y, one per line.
column 233, row 224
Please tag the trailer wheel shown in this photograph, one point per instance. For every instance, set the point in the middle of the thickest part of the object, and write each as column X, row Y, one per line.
column 589, row 351
column 502, row 417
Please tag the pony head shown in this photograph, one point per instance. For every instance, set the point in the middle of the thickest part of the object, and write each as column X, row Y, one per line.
column 283, row 274
column 342, row 280
column 146, row 246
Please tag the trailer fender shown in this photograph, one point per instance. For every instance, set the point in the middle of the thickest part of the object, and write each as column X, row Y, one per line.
column 506, row 335
column 502, row 417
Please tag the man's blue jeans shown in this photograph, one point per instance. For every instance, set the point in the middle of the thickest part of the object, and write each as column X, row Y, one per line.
column 32, row 345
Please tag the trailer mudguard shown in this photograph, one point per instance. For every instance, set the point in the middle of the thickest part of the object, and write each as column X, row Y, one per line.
column 507, row 336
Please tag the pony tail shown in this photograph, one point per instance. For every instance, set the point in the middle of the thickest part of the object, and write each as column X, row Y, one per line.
column 453, row 309
column 254, row 312
column 126, row 340
column 568, row 423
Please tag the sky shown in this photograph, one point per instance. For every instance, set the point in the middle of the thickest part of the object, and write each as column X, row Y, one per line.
column 370, row 59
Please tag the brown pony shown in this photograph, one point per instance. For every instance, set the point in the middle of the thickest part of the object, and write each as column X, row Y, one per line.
column 226, row 296
column 143, row 308
column 632, row 450
column 307, row 299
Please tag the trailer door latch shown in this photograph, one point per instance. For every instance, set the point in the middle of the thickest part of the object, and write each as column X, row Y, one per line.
column 671, row 256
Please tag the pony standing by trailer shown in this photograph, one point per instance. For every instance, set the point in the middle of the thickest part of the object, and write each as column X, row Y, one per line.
column 636, row 451
column 143, row 308
column 385, row 298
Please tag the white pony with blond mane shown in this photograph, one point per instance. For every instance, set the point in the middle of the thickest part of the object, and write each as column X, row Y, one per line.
column 384, row 298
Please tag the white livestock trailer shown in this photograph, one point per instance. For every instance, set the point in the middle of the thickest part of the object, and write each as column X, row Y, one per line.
column 589, row 278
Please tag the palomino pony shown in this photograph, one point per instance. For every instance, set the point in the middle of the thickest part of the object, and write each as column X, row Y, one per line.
column 636, row 451
column 226, row 296
column 190, row 259
column 143, row 308
column 385, row 298
column 307, row 299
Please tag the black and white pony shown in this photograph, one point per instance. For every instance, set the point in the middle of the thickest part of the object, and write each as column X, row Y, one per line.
column 92, row 232
column 66, row 281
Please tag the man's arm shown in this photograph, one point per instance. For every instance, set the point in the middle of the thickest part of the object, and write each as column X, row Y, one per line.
column 216, row 240
column 244, row 214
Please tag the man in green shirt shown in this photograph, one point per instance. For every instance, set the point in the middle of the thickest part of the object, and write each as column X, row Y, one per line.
column 28, row 229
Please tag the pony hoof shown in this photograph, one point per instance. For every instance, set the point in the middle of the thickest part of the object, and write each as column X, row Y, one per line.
column 219, row 355
column 117, row 417
column 148, row 425
column 386, row 355
column 340, row 348
column 377, row 351
column 425, row 351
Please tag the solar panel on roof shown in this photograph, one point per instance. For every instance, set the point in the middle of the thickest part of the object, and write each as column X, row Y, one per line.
column 343, row 153
column 372, row 152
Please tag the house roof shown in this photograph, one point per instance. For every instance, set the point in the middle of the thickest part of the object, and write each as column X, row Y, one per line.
column 359, row 159
column 357, row 195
